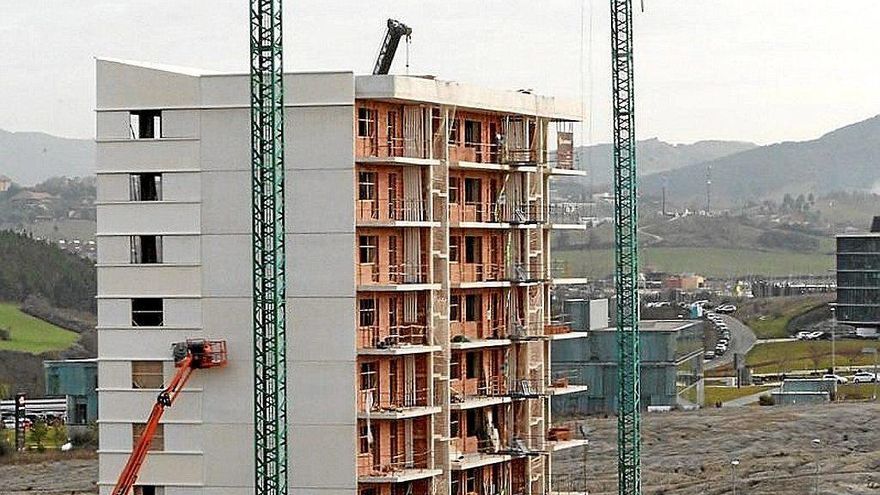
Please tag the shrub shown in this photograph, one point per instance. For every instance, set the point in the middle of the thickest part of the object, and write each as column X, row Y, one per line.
column 39, row 433
column 5, row 334
column 87, row 439
column 766, row 400
column 5, row 447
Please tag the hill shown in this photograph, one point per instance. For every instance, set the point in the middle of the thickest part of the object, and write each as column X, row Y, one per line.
column 847, row 159
column 32, row 157
column 656, row 156
column 34, row 268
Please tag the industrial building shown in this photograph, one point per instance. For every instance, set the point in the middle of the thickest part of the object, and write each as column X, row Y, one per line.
column 858, row 279
column 672, row 366
column 418, row 253
column 77, row 381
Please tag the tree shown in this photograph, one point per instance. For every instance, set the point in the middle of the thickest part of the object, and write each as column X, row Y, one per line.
column 816, row 353
column 39, row 433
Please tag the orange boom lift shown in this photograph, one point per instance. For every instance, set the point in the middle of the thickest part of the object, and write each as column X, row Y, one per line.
column 188, row 356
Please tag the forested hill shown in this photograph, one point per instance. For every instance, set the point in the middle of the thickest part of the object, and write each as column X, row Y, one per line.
column 34, row 268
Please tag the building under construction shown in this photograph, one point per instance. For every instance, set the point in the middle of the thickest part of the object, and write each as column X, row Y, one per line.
column 418, row 257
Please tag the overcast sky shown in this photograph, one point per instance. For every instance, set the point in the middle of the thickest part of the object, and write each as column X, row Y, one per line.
column 754, row 70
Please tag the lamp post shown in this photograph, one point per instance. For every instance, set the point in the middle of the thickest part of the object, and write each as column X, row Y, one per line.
column 817, row 443
column 873, row 350
column 734, row 463
column 833, row 340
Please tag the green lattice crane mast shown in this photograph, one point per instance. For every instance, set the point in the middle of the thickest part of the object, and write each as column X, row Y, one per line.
column 626, row 249
column 267, row 154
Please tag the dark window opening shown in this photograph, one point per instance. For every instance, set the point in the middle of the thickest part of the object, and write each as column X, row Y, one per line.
column 455, row 367
column 145, row 124
column 455, row 424
column 146, row 249
column 473, row 249
column 453, row 190
column 367, row 248
column 455, row 308
column 454, row 242
column 367, row 312
column 473, row 307
column 145, row 187
column 472, row 133
column 366, row 186
column 471, row 191
column 472, row 365
column 147, row 312
column 366, row 122
column 453, row 131
column 369, row 376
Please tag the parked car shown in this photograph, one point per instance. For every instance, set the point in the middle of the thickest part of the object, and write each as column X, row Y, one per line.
column 726, row 308
column 839, row 379
column 709, row 355
column 814, row 335
column 802, row 335
column 864, row 377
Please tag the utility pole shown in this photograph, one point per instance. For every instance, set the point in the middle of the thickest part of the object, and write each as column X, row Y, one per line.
column 269, row 289
column 626, row 250
column 708, row 188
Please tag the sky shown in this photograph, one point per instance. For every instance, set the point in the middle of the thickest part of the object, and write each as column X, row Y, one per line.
column 750, row 70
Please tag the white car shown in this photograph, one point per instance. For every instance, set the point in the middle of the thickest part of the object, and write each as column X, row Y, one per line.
column 864, row 377
column 802, row 335
column 839, row 379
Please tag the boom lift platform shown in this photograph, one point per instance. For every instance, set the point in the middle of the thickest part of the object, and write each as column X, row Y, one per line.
column 188, row 356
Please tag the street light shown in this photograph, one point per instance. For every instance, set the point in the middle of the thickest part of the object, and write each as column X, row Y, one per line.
column 817, row 443
column 734, row 463
column 833, row 340
column 873, row 350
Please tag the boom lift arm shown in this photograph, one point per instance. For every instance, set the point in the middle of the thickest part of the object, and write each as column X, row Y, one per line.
column 396, row 31
column 188, row 356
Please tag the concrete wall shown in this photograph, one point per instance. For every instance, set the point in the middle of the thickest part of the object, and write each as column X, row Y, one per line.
column 205, row 278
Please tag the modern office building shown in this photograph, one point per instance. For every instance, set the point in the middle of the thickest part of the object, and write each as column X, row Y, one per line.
column 672, row 366
column 858, row 279
column 418, row 239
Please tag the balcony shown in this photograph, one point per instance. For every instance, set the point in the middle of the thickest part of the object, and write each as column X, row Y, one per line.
column 566, row 381
column 528, row 272
column 473, row 452
column 398, row 404
column 407, row 338
column 475, row 152
column 395, row 150
column 395, row 468
column 391, row 212
column 465, row 273
column 478, row 334
column 469, row 393
column 493, row 212
column 372, row 276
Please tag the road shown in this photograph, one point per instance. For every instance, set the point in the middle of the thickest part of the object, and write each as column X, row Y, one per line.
column 742, row 339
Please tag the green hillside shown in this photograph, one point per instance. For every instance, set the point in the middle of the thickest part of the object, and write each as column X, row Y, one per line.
column 712, row 262
column 29, row 334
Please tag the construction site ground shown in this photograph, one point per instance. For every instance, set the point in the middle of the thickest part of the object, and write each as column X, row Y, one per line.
column 682, row 453
column 691, row 452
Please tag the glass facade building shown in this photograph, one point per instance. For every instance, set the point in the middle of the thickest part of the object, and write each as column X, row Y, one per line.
column 858, row 279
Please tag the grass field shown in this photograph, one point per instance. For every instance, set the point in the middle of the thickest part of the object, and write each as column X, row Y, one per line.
column 784, row 357
column 29, row 334
column 769, row 317
column 712, row 262
column 724, row 394
column 856, row 391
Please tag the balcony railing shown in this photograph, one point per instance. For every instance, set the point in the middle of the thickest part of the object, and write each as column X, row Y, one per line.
column 390, row 401
column 482, row 387
column 397, row 274
column 393, row 148
column 478, row 329
column 376, row 337
column 532, row 271
column 476, row 272
column 496, row 212
column 368, row 465
column 475, row 152
column 385, row 210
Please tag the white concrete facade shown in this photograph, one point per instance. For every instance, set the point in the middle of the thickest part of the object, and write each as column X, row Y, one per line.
column 204, row 278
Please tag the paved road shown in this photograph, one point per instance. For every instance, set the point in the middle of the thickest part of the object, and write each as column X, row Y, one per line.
column 742, row 339
column 749, row 399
